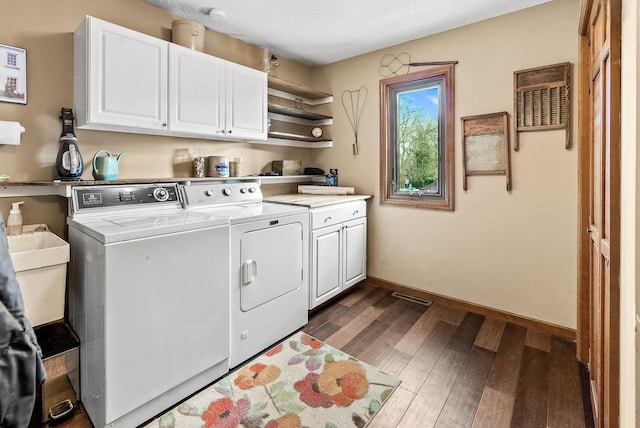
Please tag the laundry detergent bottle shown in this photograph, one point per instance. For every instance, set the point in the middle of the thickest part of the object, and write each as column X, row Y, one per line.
column 69, row 165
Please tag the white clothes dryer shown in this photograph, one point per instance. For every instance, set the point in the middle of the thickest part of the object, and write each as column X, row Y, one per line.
column 269, row 259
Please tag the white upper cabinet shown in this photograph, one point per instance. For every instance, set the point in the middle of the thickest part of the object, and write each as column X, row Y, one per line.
column 126, row 81
column 196, row 92
column 120, row 78
column 246, row 102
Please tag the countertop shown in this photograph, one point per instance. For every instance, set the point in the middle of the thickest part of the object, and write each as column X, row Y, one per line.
column 63, row 188
column 314, row 201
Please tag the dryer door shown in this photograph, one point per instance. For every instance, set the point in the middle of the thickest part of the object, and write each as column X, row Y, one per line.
column 271, row 264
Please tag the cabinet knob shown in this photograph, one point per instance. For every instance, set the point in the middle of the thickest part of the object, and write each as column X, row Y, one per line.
column 164, row 125
column 355, row 213
column 327, row 219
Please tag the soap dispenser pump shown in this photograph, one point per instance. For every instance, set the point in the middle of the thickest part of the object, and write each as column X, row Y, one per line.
column 14, row 221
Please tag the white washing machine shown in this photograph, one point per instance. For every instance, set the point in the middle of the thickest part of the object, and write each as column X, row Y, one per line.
column 148, row 298
column 269, row 254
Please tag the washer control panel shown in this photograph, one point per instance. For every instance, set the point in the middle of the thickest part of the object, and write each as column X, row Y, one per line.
column 197, row 195
column 88, row 198
column 161, row 194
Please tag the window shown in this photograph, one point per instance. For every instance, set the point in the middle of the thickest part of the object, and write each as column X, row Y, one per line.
column 417, row 139
column 12, row 59
column 10, row 86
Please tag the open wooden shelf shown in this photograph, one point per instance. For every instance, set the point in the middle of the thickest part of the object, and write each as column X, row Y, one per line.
column 297, row 112
column 292, row 125
column 297, row 137
column 295, row 89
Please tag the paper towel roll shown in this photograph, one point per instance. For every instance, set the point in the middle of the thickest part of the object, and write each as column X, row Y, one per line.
column 10, row 132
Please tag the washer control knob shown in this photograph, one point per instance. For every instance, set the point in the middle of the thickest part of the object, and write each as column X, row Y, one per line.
column 209, row 192
column 227, row 191
column 243, row 190
column 160, row 194
column 252, row 189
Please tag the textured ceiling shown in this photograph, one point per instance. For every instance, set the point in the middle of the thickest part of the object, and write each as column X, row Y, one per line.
column 324, row 31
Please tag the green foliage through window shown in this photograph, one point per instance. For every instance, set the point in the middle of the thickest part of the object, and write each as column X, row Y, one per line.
column 416, row 145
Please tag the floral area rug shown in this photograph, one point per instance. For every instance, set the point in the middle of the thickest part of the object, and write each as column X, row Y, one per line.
column 300, row 383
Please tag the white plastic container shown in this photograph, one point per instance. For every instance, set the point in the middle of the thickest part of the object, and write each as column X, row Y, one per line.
column 187, row 33
column 14, row 221
column 40, row 260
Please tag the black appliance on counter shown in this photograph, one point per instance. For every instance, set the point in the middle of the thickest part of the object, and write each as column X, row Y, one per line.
column 69, row 165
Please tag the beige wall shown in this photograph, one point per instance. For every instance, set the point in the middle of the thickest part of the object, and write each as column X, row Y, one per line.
column 516, row 251
column 510, row 251
column 45, row 30
column 629, row 221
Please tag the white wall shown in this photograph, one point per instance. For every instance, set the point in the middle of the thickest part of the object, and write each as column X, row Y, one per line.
column 516, row 251
column 629, row 220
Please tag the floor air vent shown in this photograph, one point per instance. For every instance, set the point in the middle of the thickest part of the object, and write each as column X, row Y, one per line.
column 413, row 299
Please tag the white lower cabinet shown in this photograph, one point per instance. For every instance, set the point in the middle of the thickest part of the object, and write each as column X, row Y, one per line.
column 354, row 234
column 338, row 249
column 326, row 278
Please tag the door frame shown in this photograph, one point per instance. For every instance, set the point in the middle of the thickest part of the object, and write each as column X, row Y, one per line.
column 611, row 310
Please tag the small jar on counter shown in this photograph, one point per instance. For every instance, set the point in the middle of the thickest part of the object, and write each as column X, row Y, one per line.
column 235, row 166
column 198, row 163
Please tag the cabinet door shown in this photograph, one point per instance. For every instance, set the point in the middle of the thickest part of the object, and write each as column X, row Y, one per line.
column 196, row 92
column 326, row 255
column 246, row 103
column 127, row 77
column 355, row 251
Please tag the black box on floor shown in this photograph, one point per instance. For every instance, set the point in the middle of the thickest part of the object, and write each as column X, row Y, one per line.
column 60, row 350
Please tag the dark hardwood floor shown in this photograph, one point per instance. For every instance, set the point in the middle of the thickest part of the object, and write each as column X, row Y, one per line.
column 458, row 368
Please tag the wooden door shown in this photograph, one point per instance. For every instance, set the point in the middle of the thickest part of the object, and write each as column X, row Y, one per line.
column 598, row 329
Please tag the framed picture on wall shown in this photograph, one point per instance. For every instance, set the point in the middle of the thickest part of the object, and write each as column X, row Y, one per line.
column 13, row 74
column 485, row 146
